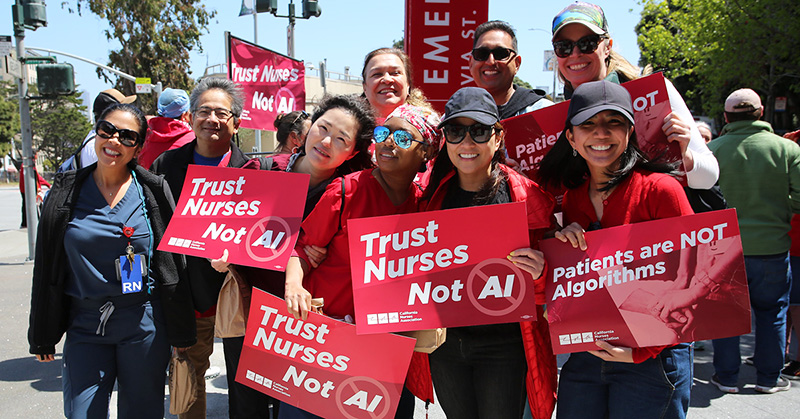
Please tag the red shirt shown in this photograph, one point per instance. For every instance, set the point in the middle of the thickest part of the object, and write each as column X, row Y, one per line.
column 642, row 196
column 364, row 197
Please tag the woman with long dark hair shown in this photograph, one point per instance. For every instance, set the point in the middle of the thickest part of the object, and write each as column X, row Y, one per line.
column 99, row 278
column 485, row 371
column 610, row 182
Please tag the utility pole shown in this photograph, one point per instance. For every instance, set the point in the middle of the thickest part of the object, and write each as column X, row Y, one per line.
column 31, row 15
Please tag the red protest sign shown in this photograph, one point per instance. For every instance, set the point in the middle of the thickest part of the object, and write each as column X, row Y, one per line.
column 320, row 365
column 691, row 266
column 439, row 36
column 254, row 214
column 530, row 136
column 428, row 270
column 272, row 83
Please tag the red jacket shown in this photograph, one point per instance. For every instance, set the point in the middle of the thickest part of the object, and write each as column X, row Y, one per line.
column 164, row 134
column 542, row 378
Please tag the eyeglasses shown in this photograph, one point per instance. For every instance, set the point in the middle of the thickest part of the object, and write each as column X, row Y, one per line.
column 401, row 137
column 127, row 137
column 499, row 53
column 455, row 134
column 586, row 45
column 302, row 114
column 221, row 113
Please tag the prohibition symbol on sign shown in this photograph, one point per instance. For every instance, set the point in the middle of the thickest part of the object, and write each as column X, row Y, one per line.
column 478, row 274
column 258, row 229
column 350, row 384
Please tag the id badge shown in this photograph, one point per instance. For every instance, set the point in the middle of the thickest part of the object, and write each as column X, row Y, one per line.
column 130, row 274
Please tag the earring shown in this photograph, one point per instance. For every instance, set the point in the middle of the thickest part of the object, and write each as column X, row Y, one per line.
column 574, row 153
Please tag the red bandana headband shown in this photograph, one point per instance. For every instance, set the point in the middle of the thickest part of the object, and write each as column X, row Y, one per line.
column 425, row 120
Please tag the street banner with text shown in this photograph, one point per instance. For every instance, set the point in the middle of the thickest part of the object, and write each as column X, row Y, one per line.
column 320, row 364
column 272, row 83
column 530, row 136
column 653, row 283
column 254, row 214
column 440, row 269
column 438, row 40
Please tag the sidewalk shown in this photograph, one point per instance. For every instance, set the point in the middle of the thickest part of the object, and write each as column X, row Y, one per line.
column 29, row 389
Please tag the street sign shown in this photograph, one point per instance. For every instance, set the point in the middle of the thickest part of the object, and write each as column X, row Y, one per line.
column 143, row 85
column 39, row 60
column 550, row 62
column 5, row 45
column 780, row 104
column 12, row 66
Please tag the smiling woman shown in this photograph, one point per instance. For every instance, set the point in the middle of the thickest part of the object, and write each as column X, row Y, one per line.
column 100, row 256
column 389, row 81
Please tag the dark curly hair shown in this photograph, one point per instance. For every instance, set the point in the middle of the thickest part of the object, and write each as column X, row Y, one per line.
column 365, row 117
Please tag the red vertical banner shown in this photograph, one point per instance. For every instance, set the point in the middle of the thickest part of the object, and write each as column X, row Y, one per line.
column 272, row 82
column 438, row 39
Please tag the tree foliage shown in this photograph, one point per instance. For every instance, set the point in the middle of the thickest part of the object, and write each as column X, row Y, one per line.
column 59, row 127
column 9, row 112
column 709, row 48
column 155, row 36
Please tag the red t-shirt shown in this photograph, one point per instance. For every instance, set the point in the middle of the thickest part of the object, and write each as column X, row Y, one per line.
column 642, row 196
column 364, row 197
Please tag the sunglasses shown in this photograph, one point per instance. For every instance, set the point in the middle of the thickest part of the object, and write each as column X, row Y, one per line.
column 499, row 53
column 401, row 137
column 302, row 114
column 586, row 45
column 455, row 134
column 127, row 137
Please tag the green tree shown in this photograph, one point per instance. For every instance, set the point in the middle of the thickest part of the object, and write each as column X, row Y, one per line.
column 9, row 112
column 59, row 127
column 711, row 47
column 155, row 36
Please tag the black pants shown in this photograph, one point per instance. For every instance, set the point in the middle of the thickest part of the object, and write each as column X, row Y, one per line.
column 243, row 401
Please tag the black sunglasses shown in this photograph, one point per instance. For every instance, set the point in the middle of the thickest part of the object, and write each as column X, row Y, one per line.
column 401, row 137
column 499, row 53
column 127, row 137
column 586, row 45
column 455, row 134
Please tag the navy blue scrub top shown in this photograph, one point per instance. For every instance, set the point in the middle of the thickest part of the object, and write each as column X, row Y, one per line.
column 94, row 240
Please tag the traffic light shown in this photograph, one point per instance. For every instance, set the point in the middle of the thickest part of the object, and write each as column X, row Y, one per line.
column 29, row 14
column 311, row 8
column 268, row 6
column 55, row 79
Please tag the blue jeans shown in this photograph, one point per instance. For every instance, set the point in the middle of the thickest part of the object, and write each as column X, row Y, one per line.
column 657, row 388
column 769, row 280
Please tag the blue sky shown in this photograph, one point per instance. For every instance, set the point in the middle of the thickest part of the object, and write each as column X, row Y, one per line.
column 344, row 33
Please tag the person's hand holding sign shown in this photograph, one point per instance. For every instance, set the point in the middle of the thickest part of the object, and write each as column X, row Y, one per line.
column 298, row 299
column 574, row 233
column 221, row 264
column 529, row 260
column 609, row 352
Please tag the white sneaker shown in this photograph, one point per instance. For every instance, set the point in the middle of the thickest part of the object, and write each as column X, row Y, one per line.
column 781, row 385
column 722, row 387
column 212, row 372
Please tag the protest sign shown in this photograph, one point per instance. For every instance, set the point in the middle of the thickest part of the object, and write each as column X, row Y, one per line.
column 440, row 269
column 320, row 365
column 691, row 266
column 530, row 136
column 254, row 214
column 272, row 83
column 438, row 40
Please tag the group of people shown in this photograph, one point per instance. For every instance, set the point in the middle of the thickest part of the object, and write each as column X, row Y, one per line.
column 101, row 226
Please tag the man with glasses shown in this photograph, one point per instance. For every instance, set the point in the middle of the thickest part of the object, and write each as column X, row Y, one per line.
column 215, row 107
column 493, row 64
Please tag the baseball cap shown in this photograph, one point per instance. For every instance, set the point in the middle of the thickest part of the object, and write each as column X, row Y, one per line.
column 591, row 98
column 173, row 103
column 587, row 14
column 742, row 100
column 109, row 97
column 473, row 103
